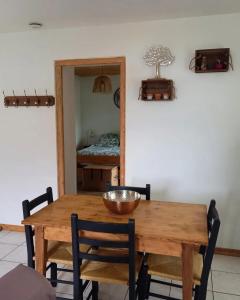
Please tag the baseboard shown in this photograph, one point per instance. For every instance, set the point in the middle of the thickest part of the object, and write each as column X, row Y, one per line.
column 9, row 227
column 228, row 252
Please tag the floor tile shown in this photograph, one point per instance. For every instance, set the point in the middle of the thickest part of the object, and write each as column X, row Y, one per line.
column 6, row 266
column 65, row 288
column 5, row 249
column 15, row 238
column 210, row 286
column 228, row 283
column 66, row 296
column 226, row 264
column 112, row 291
column 218, row 296
column 159, row 289
column 3, row 233
column 210, row 296
column 18, row 255
column 177, row 293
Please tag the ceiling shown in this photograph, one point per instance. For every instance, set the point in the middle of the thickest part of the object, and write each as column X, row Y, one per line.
column 16, row 14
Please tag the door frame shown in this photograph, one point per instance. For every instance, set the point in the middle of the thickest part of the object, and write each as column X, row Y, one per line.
column 59, row 64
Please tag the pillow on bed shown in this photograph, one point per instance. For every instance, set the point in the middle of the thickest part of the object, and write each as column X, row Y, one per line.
column 109, row 140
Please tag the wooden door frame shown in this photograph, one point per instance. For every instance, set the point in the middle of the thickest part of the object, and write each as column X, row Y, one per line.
column 59, row 64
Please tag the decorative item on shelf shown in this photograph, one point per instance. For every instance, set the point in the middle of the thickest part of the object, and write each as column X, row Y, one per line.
column 157, row 96
column 16, row 101
column 116, row 98
column 149, row 96
column 157, row 89
column 166, row 95
column 211, row 60
column 158, row 56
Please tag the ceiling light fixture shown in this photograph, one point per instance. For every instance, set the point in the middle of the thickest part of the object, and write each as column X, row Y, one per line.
column 102, row 84
column 35, row 25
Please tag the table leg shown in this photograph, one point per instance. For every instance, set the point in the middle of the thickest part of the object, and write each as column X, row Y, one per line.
column 187, row 271
column 40, row 250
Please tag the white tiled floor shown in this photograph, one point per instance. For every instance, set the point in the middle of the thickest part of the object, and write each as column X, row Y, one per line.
column 224, row 280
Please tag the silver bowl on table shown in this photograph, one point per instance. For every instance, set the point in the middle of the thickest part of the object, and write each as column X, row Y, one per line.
column 121, row 202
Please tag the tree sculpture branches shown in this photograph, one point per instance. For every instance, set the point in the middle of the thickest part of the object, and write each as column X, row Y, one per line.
column 159, row 56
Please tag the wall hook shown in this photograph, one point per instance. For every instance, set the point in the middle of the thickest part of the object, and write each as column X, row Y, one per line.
column 15, row 102
column 26, row 100
column 36, row 102
column 6, row 102
column 47, row 102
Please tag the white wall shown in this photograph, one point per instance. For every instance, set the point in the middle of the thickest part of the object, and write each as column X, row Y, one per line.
column 69, row 108
column 187, row 149
column 97, row 112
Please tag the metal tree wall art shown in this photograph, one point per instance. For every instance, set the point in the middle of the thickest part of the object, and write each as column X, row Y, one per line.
column 159, row 56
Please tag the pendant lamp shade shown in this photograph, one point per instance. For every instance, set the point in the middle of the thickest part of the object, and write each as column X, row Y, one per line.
column 102, row 84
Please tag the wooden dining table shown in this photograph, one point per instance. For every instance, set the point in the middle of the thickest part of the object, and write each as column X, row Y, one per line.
column 167, row 228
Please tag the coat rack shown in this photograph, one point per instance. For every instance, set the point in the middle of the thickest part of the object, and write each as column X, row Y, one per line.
column 27, row 100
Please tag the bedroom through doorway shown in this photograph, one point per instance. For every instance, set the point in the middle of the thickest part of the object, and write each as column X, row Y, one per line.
column 90, row 124
column 97, row 127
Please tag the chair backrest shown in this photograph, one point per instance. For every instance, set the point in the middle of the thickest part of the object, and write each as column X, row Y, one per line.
column 28, row 206
column 126, row 230
column 146, row 191
column 213, row 230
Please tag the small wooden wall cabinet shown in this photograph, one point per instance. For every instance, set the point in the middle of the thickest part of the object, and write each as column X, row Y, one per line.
column 96, row 177
column 211, row 60
column 158, row 89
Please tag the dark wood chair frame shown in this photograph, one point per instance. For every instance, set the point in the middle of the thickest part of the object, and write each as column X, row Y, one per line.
column 146, row 191
column 28, row 206
column 213, row 222
column 113, row 228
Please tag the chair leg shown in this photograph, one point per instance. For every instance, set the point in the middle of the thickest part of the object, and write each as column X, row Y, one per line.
column 78, row 290
column 142, row 283
column 95, row 290
column 53, row 270
column 200, row 292
column 148, row 284
column 196, row 293
column 132, row 293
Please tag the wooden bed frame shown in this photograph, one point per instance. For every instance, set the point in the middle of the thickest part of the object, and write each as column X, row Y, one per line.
column 98, row 159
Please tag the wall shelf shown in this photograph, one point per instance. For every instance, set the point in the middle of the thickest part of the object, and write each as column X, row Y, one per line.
column 157, row 89
column 211, row 60
column 17, row 101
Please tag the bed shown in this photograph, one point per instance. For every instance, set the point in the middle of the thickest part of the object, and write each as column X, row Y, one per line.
column 106, row 152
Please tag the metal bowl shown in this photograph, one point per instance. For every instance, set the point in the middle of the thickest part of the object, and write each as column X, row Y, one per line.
column 121, row 202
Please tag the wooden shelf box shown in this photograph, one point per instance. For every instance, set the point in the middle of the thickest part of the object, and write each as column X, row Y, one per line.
column 157, row 90
column 96, row 177
column 211, row 60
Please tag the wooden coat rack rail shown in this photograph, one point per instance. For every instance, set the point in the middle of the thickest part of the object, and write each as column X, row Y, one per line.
column 27, row 101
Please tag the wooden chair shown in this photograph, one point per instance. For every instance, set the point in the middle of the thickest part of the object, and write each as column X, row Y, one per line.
column 111, row 261
column 168, row 267
column 58, row 252
column 145, row 191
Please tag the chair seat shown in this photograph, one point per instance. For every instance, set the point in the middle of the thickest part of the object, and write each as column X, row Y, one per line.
column 61, row 252
column 170, row 267
column 105, row 272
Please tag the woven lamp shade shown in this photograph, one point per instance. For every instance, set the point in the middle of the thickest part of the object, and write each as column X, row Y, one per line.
column 102, row 84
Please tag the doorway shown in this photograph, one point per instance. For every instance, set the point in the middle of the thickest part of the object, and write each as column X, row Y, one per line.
column 78, row 63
